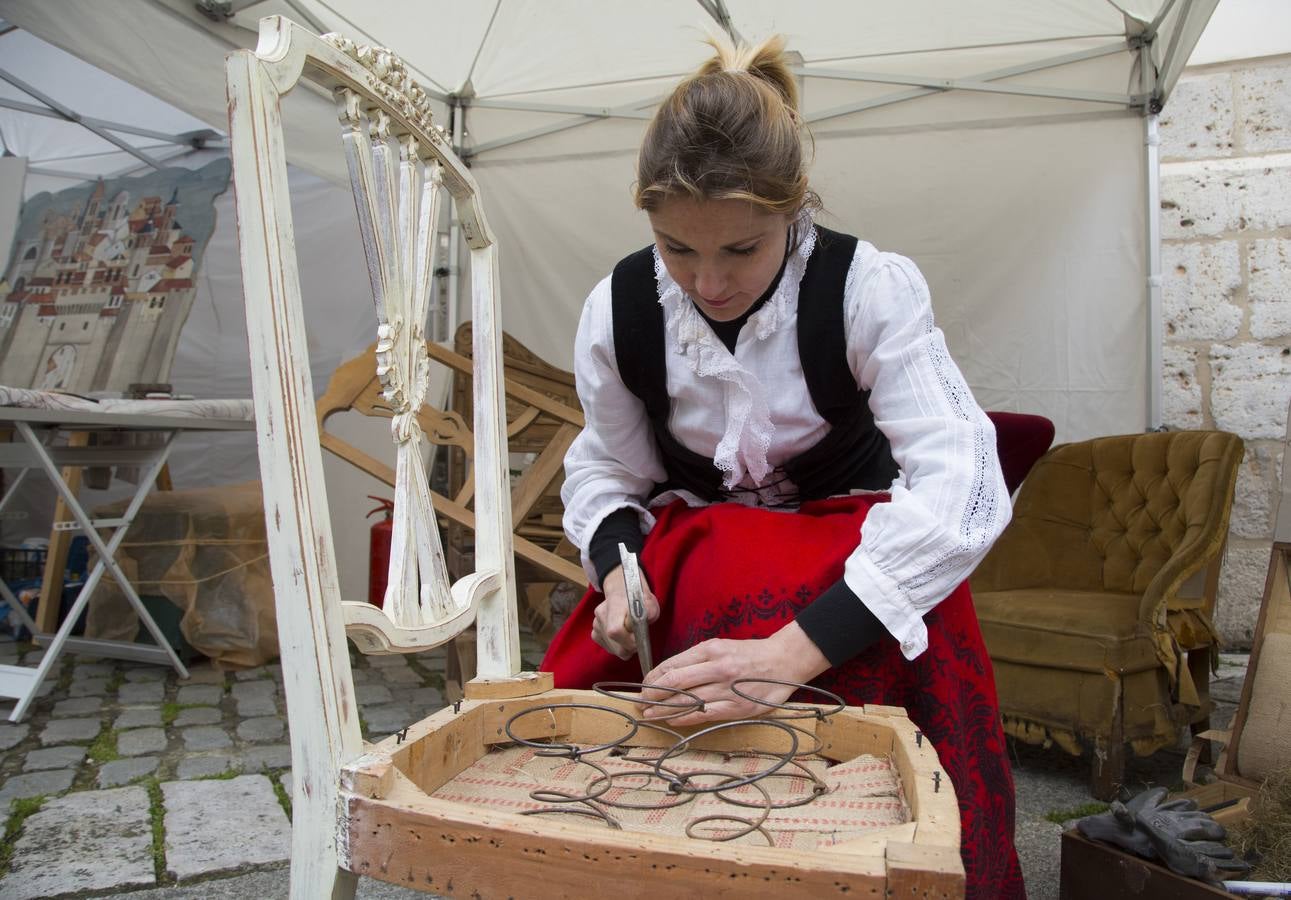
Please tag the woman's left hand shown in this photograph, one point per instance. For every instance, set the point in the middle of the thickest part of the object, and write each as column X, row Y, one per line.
column 709, row 669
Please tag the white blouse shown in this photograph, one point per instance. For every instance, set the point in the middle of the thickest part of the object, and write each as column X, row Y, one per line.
column 751, row 411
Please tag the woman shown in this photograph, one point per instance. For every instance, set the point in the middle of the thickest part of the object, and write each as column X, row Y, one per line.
column 750, row 383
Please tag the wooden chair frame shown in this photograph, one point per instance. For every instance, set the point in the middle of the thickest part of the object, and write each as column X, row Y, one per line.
column 356, row 387
column 398, row 163
column 360, row 809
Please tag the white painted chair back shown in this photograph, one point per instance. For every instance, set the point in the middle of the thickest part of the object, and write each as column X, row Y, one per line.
column 399, row 164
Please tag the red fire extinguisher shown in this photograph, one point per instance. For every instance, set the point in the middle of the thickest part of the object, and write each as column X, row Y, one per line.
column 379, row 551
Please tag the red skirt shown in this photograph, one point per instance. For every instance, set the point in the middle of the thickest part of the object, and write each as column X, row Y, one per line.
column 731, row 571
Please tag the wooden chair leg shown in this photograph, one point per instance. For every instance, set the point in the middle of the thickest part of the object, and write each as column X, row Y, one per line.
column 1109, row 755
column 309, row 882
column 1199, row 668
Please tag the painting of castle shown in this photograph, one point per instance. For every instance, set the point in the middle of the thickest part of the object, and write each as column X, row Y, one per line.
column 101, row 280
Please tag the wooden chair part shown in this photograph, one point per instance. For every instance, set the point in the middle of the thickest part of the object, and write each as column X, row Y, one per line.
column 355, row 387
column 399, row 162
column 536, row 508
column 399, row 832
column 543, row 556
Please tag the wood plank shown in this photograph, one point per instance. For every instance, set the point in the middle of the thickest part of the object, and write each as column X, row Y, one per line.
column 1275, row 614
column 438, row 747
column 526, row 684
column 495, row 714
column 592, row 727
column 527, row 550
column 1219, row 793
column 849, row 734
column 551, row 407
column 928, row 788
column 916, row 870
column 452, row 849
column 371, row 775
column 537, row 480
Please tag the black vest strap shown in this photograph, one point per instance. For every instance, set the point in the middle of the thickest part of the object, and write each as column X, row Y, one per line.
column 854, row 454
column 640, row 354
column 638, row 331
column 822, row 337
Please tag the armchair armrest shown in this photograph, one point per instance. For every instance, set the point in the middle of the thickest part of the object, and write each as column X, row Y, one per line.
column 1188, row 559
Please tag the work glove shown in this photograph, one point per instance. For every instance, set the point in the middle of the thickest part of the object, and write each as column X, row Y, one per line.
column 1119, row 826
column 1174, row 832
column 1188, row 841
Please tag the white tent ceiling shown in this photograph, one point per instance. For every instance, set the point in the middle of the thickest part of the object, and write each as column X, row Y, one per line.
column 544, row 63
column 1000, row 143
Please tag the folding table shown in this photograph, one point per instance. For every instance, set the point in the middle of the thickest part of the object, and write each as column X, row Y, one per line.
column 39, row 450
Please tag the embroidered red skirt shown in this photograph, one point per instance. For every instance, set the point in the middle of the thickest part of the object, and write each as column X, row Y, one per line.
column 734, row 572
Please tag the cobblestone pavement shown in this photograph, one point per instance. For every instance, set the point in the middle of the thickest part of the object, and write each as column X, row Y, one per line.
column 123, row 776
column 125, row 780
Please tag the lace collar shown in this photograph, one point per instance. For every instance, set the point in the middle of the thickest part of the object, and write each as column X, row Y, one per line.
column 742, row 450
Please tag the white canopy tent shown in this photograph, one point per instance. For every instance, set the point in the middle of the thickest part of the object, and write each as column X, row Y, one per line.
column 1007, row 146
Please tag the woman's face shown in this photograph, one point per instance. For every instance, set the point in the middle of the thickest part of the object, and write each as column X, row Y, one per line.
column 723, row 253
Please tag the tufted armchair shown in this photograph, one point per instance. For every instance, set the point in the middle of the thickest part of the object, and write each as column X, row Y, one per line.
column 1097, row 601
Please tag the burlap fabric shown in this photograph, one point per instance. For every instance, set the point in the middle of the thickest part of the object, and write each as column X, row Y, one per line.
column 205, row 551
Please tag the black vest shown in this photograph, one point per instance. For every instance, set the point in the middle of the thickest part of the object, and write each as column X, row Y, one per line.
column 854, row 454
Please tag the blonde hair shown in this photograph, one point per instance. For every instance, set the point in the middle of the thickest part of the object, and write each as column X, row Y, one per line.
column 729, row 131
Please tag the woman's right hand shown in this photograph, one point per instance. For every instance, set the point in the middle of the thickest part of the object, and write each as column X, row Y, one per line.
column 611, row 628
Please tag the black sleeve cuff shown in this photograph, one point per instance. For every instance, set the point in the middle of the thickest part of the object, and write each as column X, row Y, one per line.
column 839, row 624
column 623, row 526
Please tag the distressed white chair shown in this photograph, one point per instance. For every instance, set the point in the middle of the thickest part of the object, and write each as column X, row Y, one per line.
column 399, row 165
column 370, row 809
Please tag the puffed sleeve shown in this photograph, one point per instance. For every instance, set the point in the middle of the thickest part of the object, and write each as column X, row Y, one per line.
column 613, row 463
column 950, row 503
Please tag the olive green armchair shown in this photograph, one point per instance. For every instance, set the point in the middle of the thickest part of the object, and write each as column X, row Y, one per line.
column 1097, row 602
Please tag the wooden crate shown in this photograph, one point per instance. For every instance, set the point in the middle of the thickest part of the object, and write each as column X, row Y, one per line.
column 397, row 832
column 1093, row 870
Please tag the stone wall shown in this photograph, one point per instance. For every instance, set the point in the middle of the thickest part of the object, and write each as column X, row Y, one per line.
column 1226, row 262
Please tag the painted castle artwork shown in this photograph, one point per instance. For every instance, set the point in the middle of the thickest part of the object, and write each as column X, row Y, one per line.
column 101, row 280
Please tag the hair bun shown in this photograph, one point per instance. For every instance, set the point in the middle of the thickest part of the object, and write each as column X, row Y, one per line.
column 765, row 61
column 729, row 131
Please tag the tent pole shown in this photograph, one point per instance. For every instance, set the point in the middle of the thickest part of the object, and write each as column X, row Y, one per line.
column 454, row 229
column 1152, row 219
column 72, row 116
column 1156, row 330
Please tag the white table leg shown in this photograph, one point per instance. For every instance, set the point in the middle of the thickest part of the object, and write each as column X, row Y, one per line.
column 106, row 560
column 18, row 609
column 13, row 489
